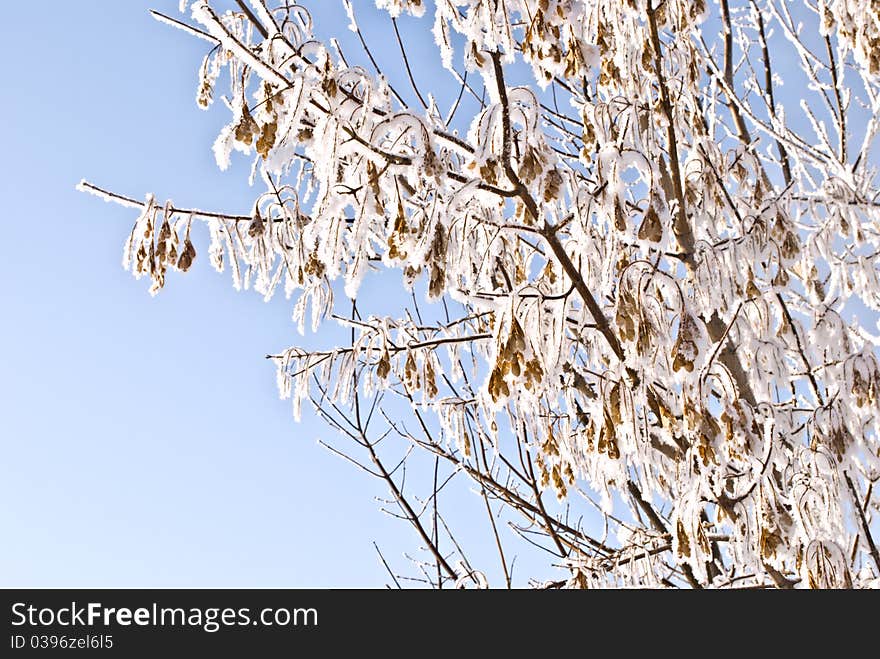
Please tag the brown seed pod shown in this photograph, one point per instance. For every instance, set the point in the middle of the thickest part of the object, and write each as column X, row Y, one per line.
column 246, row 128
column 187, row 256
column 651, row 227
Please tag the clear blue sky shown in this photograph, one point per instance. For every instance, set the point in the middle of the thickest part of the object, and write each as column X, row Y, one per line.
column 143, row 441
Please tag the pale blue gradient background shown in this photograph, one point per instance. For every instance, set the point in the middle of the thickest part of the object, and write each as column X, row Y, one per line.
column 143, row 442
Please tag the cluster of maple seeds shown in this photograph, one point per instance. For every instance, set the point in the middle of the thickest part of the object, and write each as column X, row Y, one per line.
column 609, row 73
column 542, row 42
column 626, row 316
column 612, row 417
column 313, row 267
column 154, row 257
column 552, row 469
column 208, row 74
column 437, row 256
column 683, row 545
column 489, row 170
column 531, row 165
column 706, row 430
column 829, row 431
column 248, row 129
column 412, row 378
column 776, row 525
column 399, row 234
column 511, row 360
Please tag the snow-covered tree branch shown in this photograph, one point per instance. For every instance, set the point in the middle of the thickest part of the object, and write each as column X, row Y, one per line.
column 640, row 288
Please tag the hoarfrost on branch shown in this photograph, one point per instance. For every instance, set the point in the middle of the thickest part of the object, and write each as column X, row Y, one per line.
column 644, row 284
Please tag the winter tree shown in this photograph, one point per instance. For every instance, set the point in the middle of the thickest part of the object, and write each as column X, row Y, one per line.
column 638, row 292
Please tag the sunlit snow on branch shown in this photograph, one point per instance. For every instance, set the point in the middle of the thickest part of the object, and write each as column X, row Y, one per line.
column 641, row 287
